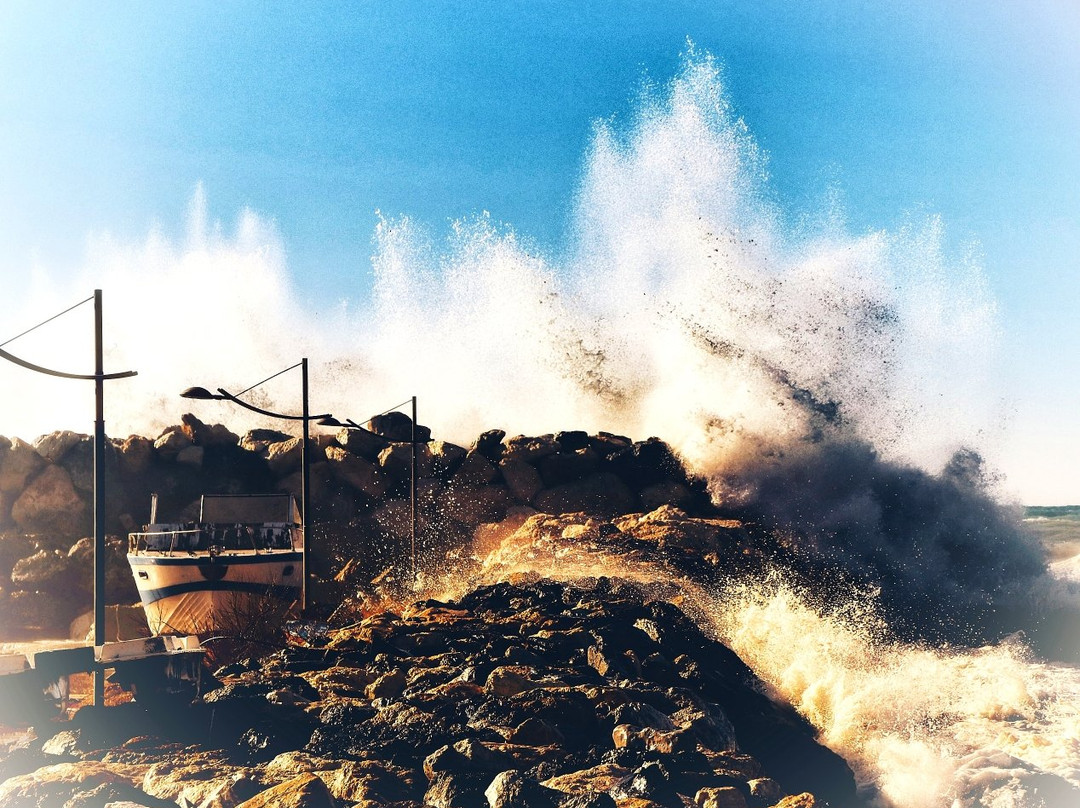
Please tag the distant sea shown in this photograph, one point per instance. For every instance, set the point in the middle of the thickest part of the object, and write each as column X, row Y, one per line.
column 1057, row 527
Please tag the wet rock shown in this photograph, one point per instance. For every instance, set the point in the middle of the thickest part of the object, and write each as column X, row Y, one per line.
column 601, row 493
column 722, row 797
column 476, row 469
column 536, row 732
column 489, row 444
column 61, row 782
column 457, row 790
column 512, row 789
column 565, row 467
column 303, row 791
column 356, row 472
column 397, row 426
column 522, row 479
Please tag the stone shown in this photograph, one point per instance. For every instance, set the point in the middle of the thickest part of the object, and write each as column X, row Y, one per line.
column 722, row 797
column 283, row 457
column 446, row 457
column 306, row 790
column 572, row 440
column 397, row 426
column 19, row 462
column 134, row 455
column 803, row 800
column 512, row 789
column 194, row 777
column 566, row 467
column 362, row 442
column 489, row 444
column 191, row 456
column 355, row 471
column 396, row 460
column 765, row 790
column 606, row 444
column 55, row 445
column 256, row 440
column 475, row 470
column 508, row 681
column 530, row 449
column 457, row 790
column 601, row 779
column 60, row 782
column 171, row 441
column 665, row 492
column 600, row 494
column 521, row 478
column 387, row 686
column 50, row 504
column 536, row 732
column 646, row 463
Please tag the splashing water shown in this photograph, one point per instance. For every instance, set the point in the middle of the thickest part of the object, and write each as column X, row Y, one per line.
column 920, row 726
column 814, row 375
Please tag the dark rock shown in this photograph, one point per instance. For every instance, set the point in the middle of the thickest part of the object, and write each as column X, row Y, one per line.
column 457, row 790
column 602, row 493
column 572, row 440
column 512, row 789
column 490, row 445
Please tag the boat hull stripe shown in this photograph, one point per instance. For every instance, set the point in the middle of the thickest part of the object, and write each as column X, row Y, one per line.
column 149, row 596
column 226, row 560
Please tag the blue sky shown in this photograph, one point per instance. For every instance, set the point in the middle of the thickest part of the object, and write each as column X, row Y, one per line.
column 319, row 115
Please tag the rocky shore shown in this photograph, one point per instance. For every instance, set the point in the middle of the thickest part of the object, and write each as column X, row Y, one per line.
column 360, row 508
column 555, row 668
column 533, row 693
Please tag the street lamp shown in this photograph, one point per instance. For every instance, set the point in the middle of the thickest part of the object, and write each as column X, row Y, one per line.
column 202, row 393
column 99, row 378
column 329, row 420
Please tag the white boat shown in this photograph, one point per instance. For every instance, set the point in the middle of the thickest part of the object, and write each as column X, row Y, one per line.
column 194, row 577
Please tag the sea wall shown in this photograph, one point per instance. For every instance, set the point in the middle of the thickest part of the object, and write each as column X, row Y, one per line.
column 360, row 513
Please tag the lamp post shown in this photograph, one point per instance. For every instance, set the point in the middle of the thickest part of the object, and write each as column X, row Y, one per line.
column 99, row 378
column 305, row 417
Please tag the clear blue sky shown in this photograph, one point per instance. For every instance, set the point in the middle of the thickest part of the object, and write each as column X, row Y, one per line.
column 317, row 115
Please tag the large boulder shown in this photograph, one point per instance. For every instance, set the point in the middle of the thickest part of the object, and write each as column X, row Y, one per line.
column 50, row 504
column 356, row 472
column 134, row 455
column 362, row 442
column 19, row 462
column 305, row 790
column 602, row 493
column 55, row 445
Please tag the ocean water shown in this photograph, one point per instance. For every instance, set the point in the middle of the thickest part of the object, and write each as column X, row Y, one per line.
column 836, row 388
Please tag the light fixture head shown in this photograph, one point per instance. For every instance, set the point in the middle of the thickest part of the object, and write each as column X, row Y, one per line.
column 198, row 392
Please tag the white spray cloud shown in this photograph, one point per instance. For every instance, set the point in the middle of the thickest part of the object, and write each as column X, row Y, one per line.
column 686, row 308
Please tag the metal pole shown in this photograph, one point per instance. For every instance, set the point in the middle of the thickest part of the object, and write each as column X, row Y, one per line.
column 305, row 486
column 99, row 498
column 412, row 491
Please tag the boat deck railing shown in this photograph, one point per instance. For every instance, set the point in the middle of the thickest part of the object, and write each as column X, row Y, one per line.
column 190, row 538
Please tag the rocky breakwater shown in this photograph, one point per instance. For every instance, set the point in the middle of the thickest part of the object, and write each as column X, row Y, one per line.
column 359, row 500
column 533, row 693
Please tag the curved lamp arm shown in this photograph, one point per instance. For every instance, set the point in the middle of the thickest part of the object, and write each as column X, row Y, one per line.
column 88, row 376
column 230, row 397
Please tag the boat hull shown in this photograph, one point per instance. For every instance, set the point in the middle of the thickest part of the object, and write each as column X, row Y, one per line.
column 194, row 593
